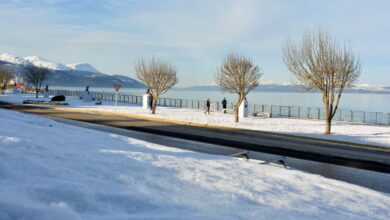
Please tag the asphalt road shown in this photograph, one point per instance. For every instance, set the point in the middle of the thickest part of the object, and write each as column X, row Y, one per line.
column 345, row 154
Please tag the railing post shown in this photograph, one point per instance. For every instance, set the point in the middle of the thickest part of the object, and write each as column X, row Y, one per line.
column 376, row 117
column 289, row 111
column 319, row 113
column 299, row 111
column 351, row 116
column 364, row 117
column 308, row 112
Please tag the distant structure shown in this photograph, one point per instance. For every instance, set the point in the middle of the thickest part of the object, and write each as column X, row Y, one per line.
column 46, row 92
column 87, row 97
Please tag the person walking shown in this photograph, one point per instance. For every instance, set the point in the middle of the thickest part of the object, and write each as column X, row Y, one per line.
column 224, row 104
column 207, row 106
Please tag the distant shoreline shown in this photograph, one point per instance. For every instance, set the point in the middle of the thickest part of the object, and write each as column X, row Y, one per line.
column 284, row 89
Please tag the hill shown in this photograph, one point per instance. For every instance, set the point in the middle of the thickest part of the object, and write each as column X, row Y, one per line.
column 73, row 75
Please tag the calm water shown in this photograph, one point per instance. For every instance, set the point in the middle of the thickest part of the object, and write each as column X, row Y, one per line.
column 362, row 102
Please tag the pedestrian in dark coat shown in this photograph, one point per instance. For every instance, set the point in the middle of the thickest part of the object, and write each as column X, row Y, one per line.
column 207, row 106
column 224, row 104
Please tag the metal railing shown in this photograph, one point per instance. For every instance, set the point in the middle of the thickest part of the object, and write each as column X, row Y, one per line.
column 347, row 115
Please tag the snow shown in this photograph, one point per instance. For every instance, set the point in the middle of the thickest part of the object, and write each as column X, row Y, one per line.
column 50, row 170
column 372, row 88
column 13, row 59
column 341, row 131
column 38, row 61
column 83, row 67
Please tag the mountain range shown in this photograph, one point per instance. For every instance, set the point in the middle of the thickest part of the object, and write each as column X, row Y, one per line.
column 83, row 74
column 74, row 75
column 274, row 87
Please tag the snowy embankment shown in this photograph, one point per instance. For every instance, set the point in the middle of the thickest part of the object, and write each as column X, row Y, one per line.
column 341, row 131
column 50, row 170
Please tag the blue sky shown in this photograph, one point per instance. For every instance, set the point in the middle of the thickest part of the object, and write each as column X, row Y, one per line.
column 194, row 35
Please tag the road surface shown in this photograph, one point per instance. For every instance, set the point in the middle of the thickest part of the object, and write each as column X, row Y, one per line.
column 346, row 154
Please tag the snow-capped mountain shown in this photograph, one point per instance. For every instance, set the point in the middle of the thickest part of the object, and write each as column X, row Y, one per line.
column 13, row 59
column 83, row 67
column 39, row 61
column 74, row 75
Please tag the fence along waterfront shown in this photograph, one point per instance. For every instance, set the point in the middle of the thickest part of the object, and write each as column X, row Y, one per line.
column 347, row 115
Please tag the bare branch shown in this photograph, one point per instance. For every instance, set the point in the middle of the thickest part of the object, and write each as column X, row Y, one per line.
column 318, row 62
column 157, row 75
column 239, row 75
column 35, row 76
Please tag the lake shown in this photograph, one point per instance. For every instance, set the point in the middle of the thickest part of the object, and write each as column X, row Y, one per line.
column 353, row 101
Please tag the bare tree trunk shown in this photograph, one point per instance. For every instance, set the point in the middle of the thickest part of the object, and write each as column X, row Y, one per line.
column 36, row 92
column 328, row 113
column 237, row 107
column 154, row 105
column 328, row 124
column 236, row 119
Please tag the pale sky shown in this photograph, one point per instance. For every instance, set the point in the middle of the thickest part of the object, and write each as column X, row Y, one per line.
column 193, row 35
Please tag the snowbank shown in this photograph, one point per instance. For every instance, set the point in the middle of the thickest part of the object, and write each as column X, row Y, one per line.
column 50, row 170
column 341, row 131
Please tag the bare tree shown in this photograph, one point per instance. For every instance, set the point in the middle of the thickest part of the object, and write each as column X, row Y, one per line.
column 238, row 75
column 5, row 77
column 318, row 62
column 157, row 75
column 35, row 76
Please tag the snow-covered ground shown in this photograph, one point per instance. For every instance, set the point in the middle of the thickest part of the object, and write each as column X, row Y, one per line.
column 342, row 131
column 50, row 170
